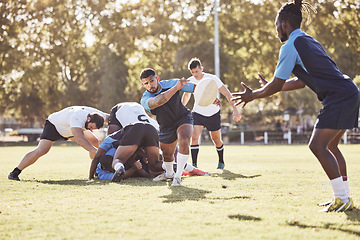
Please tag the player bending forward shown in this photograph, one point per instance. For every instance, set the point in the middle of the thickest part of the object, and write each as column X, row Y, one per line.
column 74, row 123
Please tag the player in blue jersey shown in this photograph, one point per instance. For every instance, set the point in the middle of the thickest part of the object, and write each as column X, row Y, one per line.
column 303, row 56
column 162, row 98
column 125, row 146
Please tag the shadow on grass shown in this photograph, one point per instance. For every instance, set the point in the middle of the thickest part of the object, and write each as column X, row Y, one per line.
column 230, row 198
column 352, row 215
column 228, row 175
column 77, row 182
column 181, row 193
column 244, row 217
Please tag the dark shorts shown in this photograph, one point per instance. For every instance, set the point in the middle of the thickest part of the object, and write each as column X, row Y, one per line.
column 50, row 132
column 106, row 163
column 340, row 115
column 212, row 123
column 141, row 134
column 169, row 135
column 112, row 118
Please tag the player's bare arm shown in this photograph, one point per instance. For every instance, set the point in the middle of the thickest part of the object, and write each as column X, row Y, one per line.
column 289, row 85
column 185, row 98
column 225, row 91
column 100, row 152
column 162, row 98
column 81, row 140
column 249, row 95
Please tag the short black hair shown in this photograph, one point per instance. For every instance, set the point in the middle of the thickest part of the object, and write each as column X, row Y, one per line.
column 194, row 63
column 97, row 118
column 147, row 72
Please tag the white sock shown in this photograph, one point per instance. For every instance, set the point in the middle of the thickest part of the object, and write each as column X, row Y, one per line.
column 181, row 161
column 338, row 187
column 118, row 165
column 188, row 167
column 347, row 188
column 168, row 167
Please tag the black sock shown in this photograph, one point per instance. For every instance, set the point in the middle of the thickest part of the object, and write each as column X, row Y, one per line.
column 220, row 151
column 194, row 153
column 16, row 171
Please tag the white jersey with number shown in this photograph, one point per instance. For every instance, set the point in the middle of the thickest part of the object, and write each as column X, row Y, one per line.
column 130, row 112
column 212, row 108
column 70, row 117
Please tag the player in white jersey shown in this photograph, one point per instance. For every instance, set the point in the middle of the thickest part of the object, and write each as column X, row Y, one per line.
column 75, row 123
column 123, row 114
column 208, row 116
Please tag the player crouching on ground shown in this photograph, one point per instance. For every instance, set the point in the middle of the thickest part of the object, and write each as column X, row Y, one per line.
column 127, row 150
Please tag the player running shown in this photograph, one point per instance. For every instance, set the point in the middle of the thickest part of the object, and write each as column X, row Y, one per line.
column 208, row 116
column 162, row 99
column 303, row 56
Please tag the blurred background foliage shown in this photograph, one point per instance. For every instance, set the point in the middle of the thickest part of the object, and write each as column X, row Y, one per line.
column 57, row 53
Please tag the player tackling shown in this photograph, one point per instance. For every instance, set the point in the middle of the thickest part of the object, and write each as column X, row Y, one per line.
column 303, row 56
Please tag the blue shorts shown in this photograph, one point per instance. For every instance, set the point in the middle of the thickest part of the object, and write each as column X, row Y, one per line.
column 212, row 123
column 169, row 135
column 340, row 115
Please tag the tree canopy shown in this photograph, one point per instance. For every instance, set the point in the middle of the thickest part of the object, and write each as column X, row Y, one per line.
column 90, row 52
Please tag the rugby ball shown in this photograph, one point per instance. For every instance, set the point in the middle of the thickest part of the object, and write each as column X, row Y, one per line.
column 206, row 92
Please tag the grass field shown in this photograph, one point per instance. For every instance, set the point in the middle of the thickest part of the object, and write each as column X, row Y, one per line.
column 265, row 192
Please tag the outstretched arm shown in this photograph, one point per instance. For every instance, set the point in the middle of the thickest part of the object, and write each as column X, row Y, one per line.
column 249, row 95
column 289, row 85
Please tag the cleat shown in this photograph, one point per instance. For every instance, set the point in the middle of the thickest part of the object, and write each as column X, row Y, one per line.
column 221, row 165
column 194, row 165
column 13, row 176
column 350, row 205
column 118, row 174
column 198, row 172
column 176, row 182
column 325, row 203
column 185, row 173
column 162, row 177
column 338, row 205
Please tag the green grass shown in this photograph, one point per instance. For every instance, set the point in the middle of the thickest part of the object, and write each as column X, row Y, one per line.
column 265, row 192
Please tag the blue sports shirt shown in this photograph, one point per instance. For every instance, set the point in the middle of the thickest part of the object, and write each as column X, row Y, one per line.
column 303, row 56
column 173, row 110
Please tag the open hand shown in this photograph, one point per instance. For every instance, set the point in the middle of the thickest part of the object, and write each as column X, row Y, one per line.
column 243, row 97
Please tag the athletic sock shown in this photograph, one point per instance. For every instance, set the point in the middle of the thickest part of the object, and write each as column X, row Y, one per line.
column 188, row 167
column 347, row 187
column 118, row 165
column 168, row 167
column 16, row 171
column 181, row 161
column 194, row 153
column 220, row 151
column 338, row 187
